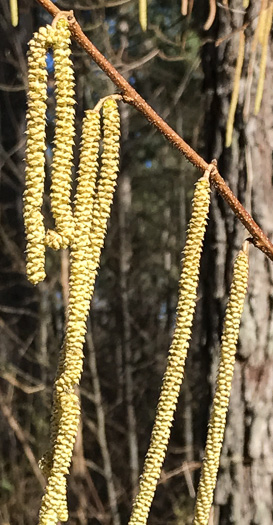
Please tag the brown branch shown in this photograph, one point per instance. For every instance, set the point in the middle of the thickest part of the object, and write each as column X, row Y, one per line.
column 130, row 96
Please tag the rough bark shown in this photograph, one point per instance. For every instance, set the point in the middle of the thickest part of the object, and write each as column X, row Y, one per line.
column 244, row 490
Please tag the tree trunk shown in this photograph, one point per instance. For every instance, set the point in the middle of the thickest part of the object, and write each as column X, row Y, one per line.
column 244, row 489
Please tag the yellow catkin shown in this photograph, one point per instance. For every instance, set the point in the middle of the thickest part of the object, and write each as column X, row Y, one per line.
column 184, row 7
column 177, row 354
column 14, row 12
column 260, row 88
column 54, row 507
column 88, row 168
column 63, row 139
column 35, row 148
column 143, row 14
column 212, row 15
column 85, row 256
column 84, row 199
column 235, row 92
column 262, row 20
column 245, row 4
column 223, row 387
column 251, row 64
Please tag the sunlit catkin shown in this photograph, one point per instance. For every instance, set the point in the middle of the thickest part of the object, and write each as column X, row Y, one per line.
column 177, row 354
column 217, row 421
column 88, row 168
column 63, row 139
column 14, row 12
column 267, row 28
column 143, row 14
column 80, row 253
column 85, row 256
column 35, row 149
column 235, row 92
column 54, row 507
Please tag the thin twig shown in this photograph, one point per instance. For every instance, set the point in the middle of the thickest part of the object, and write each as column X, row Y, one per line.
column 19, row 433
column 101, row 429
column 130, row 96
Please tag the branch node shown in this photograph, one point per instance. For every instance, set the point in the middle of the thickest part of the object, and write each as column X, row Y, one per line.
column 212, row 168
column 100, row 103
column 245, row 247
column 69, row 15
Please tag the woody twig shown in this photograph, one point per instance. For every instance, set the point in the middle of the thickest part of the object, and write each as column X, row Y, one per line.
column 130, row 95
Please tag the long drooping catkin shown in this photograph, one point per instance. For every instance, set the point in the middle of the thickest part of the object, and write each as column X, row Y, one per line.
column 60, row 196
column 85, row 256
column 35, row 149
column 236, row 87
column 268, row 14
column 14, row 12
column 84, row 202
column 143, row 14
column 222, row 394
column 177, row 354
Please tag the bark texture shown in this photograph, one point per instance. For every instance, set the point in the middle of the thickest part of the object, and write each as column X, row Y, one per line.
column 244, row 490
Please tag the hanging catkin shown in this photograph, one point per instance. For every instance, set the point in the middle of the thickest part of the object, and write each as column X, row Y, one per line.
column 84, row 202
column 212, row 15
column 143, row 14
column 85, row 256
column 223, row 387
column 35, row 149
column 177, row 354
column 14, row 12
column 266, row 33
column 235, row 92
column 63, row 140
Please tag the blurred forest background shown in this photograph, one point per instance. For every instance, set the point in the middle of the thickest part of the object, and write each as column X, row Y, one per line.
column 178, row 68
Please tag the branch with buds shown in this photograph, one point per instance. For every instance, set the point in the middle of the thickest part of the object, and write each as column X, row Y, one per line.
column 130, row 95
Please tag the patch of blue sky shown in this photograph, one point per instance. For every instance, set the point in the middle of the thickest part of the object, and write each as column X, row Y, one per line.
column 148, row 163
column 50, row 116
column 111, row 26
column 49, row 62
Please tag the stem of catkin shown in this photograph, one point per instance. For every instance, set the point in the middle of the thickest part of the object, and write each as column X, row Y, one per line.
column 217, row 420
column 177, row 355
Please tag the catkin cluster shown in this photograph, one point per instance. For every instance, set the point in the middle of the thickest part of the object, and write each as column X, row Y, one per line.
column 83, row 229
column 222, row 394
column 92, row 211
column 177, row 354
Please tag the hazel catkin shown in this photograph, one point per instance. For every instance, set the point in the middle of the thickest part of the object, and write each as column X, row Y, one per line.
column 85, row 252
column 217, row 420
column 85, row 255
column 88, row 167
column 143, row 14
column 177, row 355
column 35, row 149
column 61, row 168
